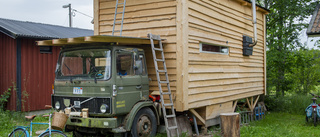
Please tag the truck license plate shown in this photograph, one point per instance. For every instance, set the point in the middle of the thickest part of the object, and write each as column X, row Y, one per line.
column 77, row 90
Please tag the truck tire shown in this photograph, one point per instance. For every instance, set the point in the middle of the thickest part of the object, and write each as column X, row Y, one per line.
column 144, row 124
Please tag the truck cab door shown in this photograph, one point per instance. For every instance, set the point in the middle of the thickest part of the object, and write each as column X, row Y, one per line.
column 128, row 81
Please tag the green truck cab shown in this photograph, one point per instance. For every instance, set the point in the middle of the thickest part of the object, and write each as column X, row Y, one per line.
column 112, row 82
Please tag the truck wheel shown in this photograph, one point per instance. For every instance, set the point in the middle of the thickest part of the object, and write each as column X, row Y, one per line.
column 144, row 124
column 76, row 134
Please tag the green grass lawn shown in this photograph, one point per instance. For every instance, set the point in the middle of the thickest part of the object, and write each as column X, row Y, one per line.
column 281, row 125
column 274, row 125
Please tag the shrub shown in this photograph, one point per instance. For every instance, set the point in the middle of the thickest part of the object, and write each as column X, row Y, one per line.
column 294, row 104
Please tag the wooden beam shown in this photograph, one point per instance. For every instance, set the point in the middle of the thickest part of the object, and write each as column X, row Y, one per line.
column 195, row 113
column 234, row 105
column 59, row 41
column 117, row 39
column 76, row 40
column 44, row 43
column 248, row 103
column 255, row 102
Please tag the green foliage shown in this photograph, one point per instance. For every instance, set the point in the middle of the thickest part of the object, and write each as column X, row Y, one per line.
column 293, row 104
column 4, row 98
column 305, row 72
column 284, row 25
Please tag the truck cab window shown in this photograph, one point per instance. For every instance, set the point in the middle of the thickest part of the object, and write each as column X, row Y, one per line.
column 124, row 64
column 139, row 65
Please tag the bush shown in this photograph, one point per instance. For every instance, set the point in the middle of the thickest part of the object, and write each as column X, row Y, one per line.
column 293, row 104
column 4, row 99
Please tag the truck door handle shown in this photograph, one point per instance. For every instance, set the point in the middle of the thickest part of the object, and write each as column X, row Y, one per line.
column 138, row 87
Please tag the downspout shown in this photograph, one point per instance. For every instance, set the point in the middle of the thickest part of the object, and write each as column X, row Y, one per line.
column 18, row 106
column 254, row 21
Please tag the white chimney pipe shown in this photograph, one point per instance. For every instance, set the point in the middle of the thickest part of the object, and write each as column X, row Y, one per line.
column 254, row 21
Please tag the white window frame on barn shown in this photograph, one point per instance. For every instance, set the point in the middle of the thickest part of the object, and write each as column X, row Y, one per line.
column 214, row 52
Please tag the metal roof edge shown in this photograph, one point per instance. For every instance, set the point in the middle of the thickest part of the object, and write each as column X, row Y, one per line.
column 315, row 13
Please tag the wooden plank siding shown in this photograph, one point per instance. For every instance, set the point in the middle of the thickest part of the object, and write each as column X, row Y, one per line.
column 215, row 78
column 142, row 17
column 198, row 80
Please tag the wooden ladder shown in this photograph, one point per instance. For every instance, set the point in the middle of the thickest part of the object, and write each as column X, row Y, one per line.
column 115, row 22
column 172, row 115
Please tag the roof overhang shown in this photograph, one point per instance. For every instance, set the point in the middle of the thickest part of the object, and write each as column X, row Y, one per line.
column 259, row 8
column 119, row 40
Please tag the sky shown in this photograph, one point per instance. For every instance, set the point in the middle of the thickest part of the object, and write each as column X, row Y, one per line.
column 48, row 11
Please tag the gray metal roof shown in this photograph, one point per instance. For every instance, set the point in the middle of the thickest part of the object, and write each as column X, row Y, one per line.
column 15, row 29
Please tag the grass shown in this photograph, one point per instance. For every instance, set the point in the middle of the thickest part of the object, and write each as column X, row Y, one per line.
column 279, row 124
column 8, row 121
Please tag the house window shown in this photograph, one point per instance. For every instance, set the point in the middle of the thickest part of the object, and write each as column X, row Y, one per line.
column 45, row 49
column 210, row 48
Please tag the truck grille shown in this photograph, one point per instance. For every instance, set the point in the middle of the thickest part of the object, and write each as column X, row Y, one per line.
column 93, row 104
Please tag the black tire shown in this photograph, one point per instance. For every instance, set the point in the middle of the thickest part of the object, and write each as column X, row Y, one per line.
column 144, row 124
column 315, row 118
column 19, row 132
column 77, row 134
column 53, row 134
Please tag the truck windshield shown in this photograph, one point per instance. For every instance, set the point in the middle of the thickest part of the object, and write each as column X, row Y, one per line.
column 85, row 64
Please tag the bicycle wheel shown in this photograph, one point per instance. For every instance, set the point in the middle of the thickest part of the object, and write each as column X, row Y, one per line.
column 53, row 134
column 315, row 118
column 19, row 132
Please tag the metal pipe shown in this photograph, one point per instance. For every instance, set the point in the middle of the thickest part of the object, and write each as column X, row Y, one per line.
column 195, row 124
column 254, row 21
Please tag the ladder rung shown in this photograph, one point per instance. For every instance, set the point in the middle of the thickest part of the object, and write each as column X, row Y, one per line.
column 170, row 116
column 160, row 60
column 163, row 71
column 173, row 127
column 166, row 105
column 166, row 93
column 116, row 31
column 158, row 49
column 118, row 22
column 163, row 82
column 119, row 12
column 121, row 3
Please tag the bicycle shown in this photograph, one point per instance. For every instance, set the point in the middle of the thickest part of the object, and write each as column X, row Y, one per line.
column 22, row 131
column 312, row 111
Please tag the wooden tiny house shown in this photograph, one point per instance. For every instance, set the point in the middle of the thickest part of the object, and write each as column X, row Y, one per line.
column 204, row 48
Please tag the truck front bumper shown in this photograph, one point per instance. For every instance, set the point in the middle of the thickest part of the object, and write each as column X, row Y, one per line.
column 109, row 123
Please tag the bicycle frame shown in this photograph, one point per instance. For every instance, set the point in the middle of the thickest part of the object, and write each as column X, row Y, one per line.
column 29, row 128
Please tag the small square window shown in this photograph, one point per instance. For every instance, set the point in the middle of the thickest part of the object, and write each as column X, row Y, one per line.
column 210, row 48
column 45, row 49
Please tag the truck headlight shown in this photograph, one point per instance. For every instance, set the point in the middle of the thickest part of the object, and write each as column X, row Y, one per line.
column 104, row 108
column 57, row 105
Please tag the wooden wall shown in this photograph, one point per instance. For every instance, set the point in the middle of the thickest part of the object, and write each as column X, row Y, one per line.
column 142, row 17
column 216, row 78
column 197, row 79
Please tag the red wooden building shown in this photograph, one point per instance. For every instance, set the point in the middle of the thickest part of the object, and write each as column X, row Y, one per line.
column 28, row 67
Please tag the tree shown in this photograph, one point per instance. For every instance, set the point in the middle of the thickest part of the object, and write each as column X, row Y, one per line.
column 284, row 24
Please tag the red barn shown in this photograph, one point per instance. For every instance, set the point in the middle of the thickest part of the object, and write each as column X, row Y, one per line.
column 27, row 67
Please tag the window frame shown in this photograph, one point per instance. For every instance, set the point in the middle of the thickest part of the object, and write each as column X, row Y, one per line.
column 212, row 52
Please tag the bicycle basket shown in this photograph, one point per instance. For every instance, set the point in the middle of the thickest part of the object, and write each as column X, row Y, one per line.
column 59, row 120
